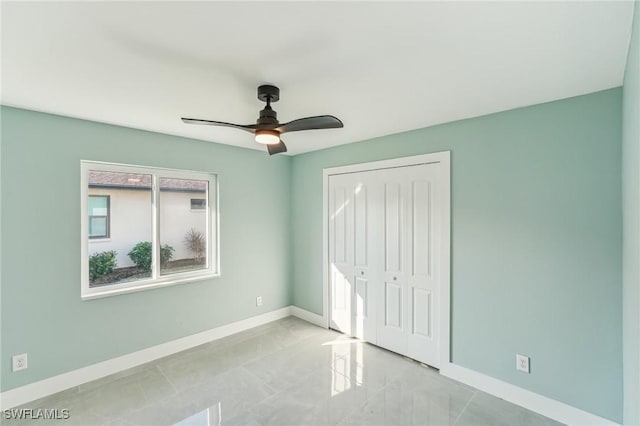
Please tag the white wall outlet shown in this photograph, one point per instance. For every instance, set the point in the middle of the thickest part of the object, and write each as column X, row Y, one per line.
column 522, row 363
column 259, row 301
column 19, row 362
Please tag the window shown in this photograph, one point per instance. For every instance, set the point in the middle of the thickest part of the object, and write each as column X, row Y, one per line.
column 198, row 204
column 138, row 231
column 98, row 216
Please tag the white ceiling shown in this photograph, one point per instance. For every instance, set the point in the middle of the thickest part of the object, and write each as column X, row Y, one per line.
column 380, row 67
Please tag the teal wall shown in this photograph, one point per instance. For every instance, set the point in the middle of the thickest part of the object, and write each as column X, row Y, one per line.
column 42, row 313
column 631, row 225
column 536, row 242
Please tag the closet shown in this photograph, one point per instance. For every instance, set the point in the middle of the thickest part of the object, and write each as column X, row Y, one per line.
column 385, row 251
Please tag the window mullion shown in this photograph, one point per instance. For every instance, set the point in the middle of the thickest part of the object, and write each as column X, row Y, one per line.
column 208, row 225
column 155, row 224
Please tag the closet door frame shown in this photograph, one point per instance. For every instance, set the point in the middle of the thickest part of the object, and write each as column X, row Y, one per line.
column 445, row 244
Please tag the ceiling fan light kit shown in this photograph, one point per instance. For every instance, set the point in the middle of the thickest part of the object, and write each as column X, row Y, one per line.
column 268, row 129
column 267, row 137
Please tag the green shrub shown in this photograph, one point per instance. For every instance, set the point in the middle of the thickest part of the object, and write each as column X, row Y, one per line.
column 141, row 255
column 101, row 264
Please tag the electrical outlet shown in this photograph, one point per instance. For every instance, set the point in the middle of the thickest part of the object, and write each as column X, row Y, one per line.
column 259, row 301
column 522, row 363
column 19, row 362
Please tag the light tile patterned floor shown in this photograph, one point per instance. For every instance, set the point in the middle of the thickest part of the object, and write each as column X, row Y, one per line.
column 288, row 372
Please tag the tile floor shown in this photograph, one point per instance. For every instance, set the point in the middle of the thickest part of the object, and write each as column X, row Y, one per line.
column 288, row 372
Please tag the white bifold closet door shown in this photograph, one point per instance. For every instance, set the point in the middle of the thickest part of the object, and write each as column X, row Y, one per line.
column 384, row 231
column 352, row 250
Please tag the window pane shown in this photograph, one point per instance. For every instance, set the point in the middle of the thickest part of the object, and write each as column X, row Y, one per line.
column 119, row 206
column 198, row 204
column 97, row 226
column 98, row 209
column 98, row 205
column 183, row 232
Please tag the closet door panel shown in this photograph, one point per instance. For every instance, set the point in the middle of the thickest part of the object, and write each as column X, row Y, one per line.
column 392, row 225
column 340, row 256
column 361, row 210
column 423, row 277
column 364, row 324
column 350, row 250
column 420, row 250
column 393, row 306
column 392, row 291
column 422, row 307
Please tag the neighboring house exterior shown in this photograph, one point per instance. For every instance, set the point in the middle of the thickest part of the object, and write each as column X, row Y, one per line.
column 120, row 208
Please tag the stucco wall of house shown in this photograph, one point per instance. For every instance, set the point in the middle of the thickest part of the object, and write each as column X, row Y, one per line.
column 177, row 218
column 129, row 221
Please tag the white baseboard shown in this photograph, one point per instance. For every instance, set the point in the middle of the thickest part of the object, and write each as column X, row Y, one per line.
column 548, row 407
column 303, row 314
column 42, row 388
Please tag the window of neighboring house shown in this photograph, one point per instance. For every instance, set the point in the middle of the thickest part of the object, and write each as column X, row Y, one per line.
column 98, row 206
column 138, row 232
column 198, row 204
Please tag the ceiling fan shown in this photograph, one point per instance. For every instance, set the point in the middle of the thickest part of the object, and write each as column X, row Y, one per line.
column 268, row 129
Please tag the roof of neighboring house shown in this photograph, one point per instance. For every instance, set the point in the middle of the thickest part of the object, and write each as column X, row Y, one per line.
column 142, row 181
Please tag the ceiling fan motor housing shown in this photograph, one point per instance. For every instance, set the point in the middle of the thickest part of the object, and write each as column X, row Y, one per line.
column 268, row 118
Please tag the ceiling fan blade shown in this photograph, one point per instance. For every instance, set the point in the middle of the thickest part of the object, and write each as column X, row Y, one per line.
column 311, row 123
column 277, row 148
column 245, row 127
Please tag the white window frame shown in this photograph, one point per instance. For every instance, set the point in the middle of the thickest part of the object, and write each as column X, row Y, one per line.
column 156, row 280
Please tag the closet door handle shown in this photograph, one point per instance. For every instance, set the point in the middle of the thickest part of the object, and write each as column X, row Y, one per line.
column 395, row 278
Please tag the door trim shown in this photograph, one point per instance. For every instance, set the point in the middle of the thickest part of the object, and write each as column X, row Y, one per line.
column 445, row 297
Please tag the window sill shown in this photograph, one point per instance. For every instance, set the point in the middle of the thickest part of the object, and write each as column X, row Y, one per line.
column 117, row 289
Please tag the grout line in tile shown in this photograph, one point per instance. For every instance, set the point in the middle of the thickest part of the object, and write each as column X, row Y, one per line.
column 275, row 391
column 473, row 395
column 173, row 386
